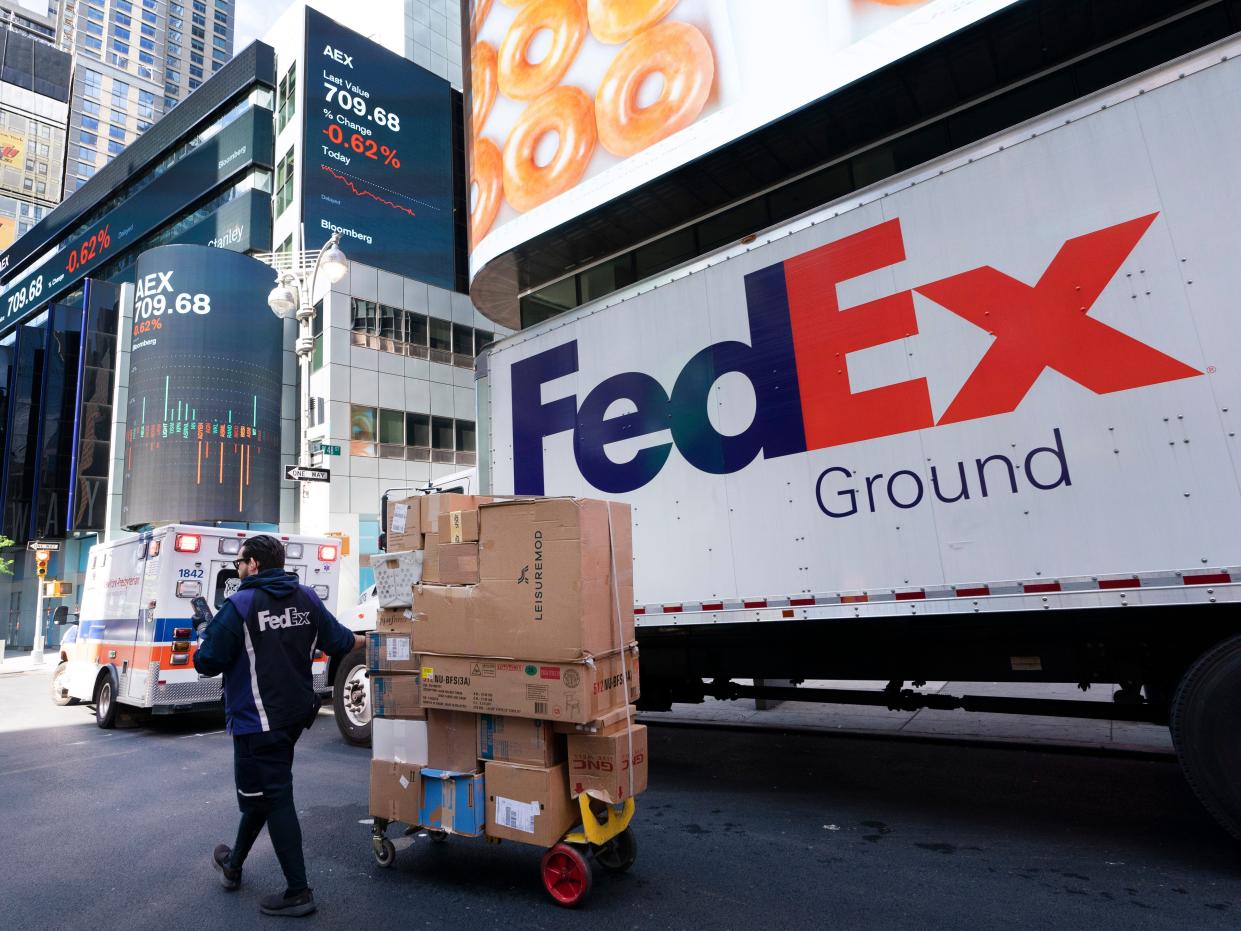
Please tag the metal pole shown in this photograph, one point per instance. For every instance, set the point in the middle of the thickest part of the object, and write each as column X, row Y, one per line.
column 36, row 655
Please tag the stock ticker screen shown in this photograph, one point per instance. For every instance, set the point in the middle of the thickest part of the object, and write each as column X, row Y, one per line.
column 202, row 441
column 377, row 164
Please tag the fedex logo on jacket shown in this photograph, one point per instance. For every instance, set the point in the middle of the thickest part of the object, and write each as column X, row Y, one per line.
column 290, row 617
column 797, row 361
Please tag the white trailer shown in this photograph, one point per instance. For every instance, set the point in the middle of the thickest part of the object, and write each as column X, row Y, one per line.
column 978, row 423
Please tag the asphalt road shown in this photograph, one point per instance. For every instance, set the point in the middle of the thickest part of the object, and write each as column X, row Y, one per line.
column 739, row 830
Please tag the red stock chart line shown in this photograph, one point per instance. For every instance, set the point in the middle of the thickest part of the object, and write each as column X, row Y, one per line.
column 364, row 192
column 218, row 439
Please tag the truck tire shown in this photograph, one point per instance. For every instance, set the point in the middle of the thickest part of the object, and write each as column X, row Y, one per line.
column 351, row 700
column 106, row 706
column 1206, row 717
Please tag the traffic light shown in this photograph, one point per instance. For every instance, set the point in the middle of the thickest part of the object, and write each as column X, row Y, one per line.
column 41, row 559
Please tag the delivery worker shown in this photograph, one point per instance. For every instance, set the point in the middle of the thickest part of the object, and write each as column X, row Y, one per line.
column 263, row 641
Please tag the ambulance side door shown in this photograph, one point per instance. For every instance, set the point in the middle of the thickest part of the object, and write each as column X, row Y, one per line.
column 146, row 650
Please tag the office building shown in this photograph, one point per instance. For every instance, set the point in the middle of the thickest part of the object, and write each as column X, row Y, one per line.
column 134, row 61
column 34, row 110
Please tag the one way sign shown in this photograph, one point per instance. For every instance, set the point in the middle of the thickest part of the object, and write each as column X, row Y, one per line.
column 296, row 473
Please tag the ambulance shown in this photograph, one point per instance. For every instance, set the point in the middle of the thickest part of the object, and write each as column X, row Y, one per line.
column 136, row 627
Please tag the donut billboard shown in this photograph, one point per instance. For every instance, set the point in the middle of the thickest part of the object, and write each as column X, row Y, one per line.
column 573, row 103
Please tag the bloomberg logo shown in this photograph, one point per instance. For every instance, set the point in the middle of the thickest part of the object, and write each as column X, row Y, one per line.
column 796, row 361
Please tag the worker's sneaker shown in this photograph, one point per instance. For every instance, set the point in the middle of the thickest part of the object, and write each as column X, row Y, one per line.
column 230, row 878
column 295, row 904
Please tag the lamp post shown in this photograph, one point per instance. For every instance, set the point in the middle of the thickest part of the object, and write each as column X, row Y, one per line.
column 293, row 296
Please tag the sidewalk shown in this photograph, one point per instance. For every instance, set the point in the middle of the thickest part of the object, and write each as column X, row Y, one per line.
column 1036, row 730
column 14, row 663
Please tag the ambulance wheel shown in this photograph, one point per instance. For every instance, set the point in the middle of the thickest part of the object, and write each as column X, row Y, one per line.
column 1206, row 716
column 385, row 853
column 618, row 854
column 106, row 707
column 60, row 694
column 351, row 700
column 566, row 875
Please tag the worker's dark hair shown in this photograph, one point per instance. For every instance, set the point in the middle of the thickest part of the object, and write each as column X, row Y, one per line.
column 266, row 550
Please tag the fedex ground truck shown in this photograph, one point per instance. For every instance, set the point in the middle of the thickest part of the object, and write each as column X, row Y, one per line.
column 979, row 423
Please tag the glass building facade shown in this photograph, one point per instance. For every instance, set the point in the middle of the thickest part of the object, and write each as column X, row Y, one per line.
column 202, row 175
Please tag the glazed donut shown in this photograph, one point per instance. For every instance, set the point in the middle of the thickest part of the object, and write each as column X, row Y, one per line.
column 567, row 111
column 486, row 173
column 617, row 21
column 680, row 53
column 521, row 80
column 482, row 83
column 481, row 9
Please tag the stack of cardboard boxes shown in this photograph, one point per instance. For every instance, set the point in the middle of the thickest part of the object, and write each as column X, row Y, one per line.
column 502, row 684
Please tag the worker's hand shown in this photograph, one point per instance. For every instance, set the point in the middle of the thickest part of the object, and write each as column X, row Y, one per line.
column 359, row 642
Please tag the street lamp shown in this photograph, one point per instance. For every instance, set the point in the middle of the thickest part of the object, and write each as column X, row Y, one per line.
column 292, row 296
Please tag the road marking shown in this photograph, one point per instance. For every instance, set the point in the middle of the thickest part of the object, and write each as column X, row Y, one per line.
column 64, row 763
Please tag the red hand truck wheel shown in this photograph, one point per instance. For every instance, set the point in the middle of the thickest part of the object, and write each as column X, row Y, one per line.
column 566, row 875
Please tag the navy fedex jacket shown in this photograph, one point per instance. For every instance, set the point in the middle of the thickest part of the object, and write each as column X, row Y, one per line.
column 263, row 640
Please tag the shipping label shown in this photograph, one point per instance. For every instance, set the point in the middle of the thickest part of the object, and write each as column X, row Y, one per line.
column 518, row 816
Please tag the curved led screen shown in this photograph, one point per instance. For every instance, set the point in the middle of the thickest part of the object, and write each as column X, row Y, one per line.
column 202, row 438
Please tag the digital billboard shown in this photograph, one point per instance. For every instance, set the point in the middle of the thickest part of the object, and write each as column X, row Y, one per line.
column 377, row 166
column 245, row 142
column 572, row 103
column 202, row 435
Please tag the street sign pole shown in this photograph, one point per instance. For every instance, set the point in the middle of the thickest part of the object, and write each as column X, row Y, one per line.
column 36, row 655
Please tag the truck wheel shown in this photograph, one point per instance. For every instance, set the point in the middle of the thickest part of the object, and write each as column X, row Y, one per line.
column 1206, row 717
column 60, row 694
column 106, row 707
column 351, row 700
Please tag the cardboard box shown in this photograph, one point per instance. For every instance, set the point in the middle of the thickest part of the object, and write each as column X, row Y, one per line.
column 463, row 526
column 435, row 505
column 617, row 717
column 396, row 574
column 431, row 557
column 458, row 563
column 396, row 791
column 453, row 802
column 404, row 524
column 529, row 804
column 452, row 741
column 546, row 589
column 395, row 621
column 399, row 741
column 390, row 652
column 518, row 740
column 397, row 695
column 600, row 765
column 576, row 692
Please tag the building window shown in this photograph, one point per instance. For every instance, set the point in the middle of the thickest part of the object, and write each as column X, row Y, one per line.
column 89, row 122
column 392, row 431
column 286, row 98
column 115, row 148
column 443, row 437
column 365, row 316
column 87, row 138
column 284, row 182
column 418, row 435
column 117, row 132
column 465, row 436
column 316, row 324
column 362, row 431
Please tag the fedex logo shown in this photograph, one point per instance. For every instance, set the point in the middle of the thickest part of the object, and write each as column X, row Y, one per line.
column 290, row 617
column 797, row 361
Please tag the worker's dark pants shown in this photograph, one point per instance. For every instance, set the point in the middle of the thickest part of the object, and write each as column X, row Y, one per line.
column 263, row 770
